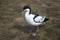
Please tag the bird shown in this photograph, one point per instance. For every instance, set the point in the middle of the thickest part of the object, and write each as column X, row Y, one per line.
column 33, row 19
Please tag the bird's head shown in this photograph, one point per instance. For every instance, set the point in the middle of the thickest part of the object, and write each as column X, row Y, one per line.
column 26, row 9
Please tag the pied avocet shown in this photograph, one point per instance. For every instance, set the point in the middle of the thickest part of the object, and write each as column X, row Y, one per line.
column 33, row 19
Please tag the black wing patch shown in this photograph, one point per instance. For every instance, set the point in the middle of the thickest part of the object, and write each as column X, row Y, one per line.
column 36, row 15
column 46, row 19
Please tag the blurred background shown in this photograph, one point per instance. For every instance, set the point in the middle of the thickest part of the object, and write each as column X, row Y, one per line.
column 12, row 22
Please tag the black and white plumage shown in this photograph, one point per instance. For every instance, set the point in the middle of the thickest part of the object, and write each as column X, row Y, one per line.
column 33, row 19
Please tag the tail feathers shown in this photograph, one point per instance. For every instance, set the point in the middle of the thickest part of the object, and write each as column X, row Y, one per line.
column 46, row 19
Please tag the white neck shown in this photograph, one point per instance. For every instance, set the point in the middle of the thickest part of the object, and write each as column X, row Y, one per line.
column 27, row 11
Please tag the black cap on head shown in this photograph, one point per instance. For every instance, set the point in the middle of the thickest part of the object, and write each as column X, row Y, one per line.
column 26, row 7
column 46, row 19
